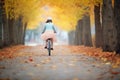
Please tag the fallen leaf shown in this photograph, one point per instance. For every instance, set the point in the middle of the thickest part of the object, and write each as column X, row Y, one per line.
column 2, row 67
column 37, row 65
column 43, row 62
column 75, row 78
column 26, row 61
column 54, row 67
column 4, row 79
column 89, row 70
column 104, row 59
column 108, row 63
column 30, row 59
column 71, row 64
column 115, row 73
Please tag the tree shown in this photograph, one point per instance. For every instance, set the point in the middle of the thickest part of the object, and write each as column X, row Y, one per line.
column 19, row 14
column 109, row 31
column 10, row 24
column 98, row 27
column 71, row 37
column 1, row 27
column 5, row 30
column 81, row 36
column 117, row 23
column 87, row 39
column 79, row 33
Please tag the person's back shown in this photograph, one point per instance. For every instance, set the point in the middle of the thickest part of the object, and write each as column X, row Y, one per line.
column 49, row 26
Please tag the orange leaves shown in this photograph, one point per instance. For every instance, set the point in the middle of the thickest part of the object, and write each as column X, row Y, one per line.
column 97, row 53
column 115, row 73
column 10, row 51
column 2, row 67
column 116, row 62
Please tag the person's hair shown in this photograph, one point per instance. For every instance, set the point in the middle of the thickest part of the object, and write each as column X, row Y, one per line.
column 48, row 21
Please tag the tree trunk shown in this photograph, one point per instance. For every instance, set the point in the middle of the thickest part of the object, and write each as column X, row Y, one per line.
column 5, row 31
column 109, row 31
column 76, row 35
column 71, row 35
column 1, row 22
column 87, row 39
column 11, row 33
column 6, row 37
column 117, row 23
column 1, row 27
column 20, row 30
column 79, row 33
column 98, row 27
column 24, row 32
column 1, row 32
column 15, row 32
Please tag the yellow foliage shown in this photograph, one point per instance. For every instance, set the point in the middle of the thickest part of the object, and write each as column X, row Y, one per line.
column 65, row 13
column 27, row 9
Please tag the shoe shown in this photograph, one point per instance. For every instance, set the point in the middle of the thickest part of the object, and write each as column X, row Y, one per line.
column 51, row 48
column 45, row 47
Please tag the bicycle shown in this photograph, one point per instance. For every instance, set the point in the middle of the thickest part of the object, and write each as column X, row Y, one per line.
column 49, row 43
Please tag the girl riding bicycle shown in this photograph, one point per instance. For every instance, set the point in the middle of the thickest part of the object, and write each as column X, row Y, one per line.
column 49, row 32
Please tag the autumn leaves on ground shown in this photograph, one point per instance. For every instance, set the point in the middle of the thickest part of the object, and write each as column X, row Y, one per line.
column 109, row 57
column 63, row 60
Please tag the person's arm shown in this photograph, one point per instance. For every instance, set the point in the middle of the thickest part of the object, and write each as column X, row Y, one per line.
column 44, row 30
column 54, row 29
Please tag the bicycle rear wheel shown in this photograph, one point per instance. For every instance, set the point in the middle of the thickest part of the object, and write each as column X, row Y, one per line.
column 49, row 47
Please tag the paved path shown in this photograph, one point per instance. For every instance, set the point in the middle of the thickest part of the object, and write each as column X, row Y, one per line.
column 34, row 64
